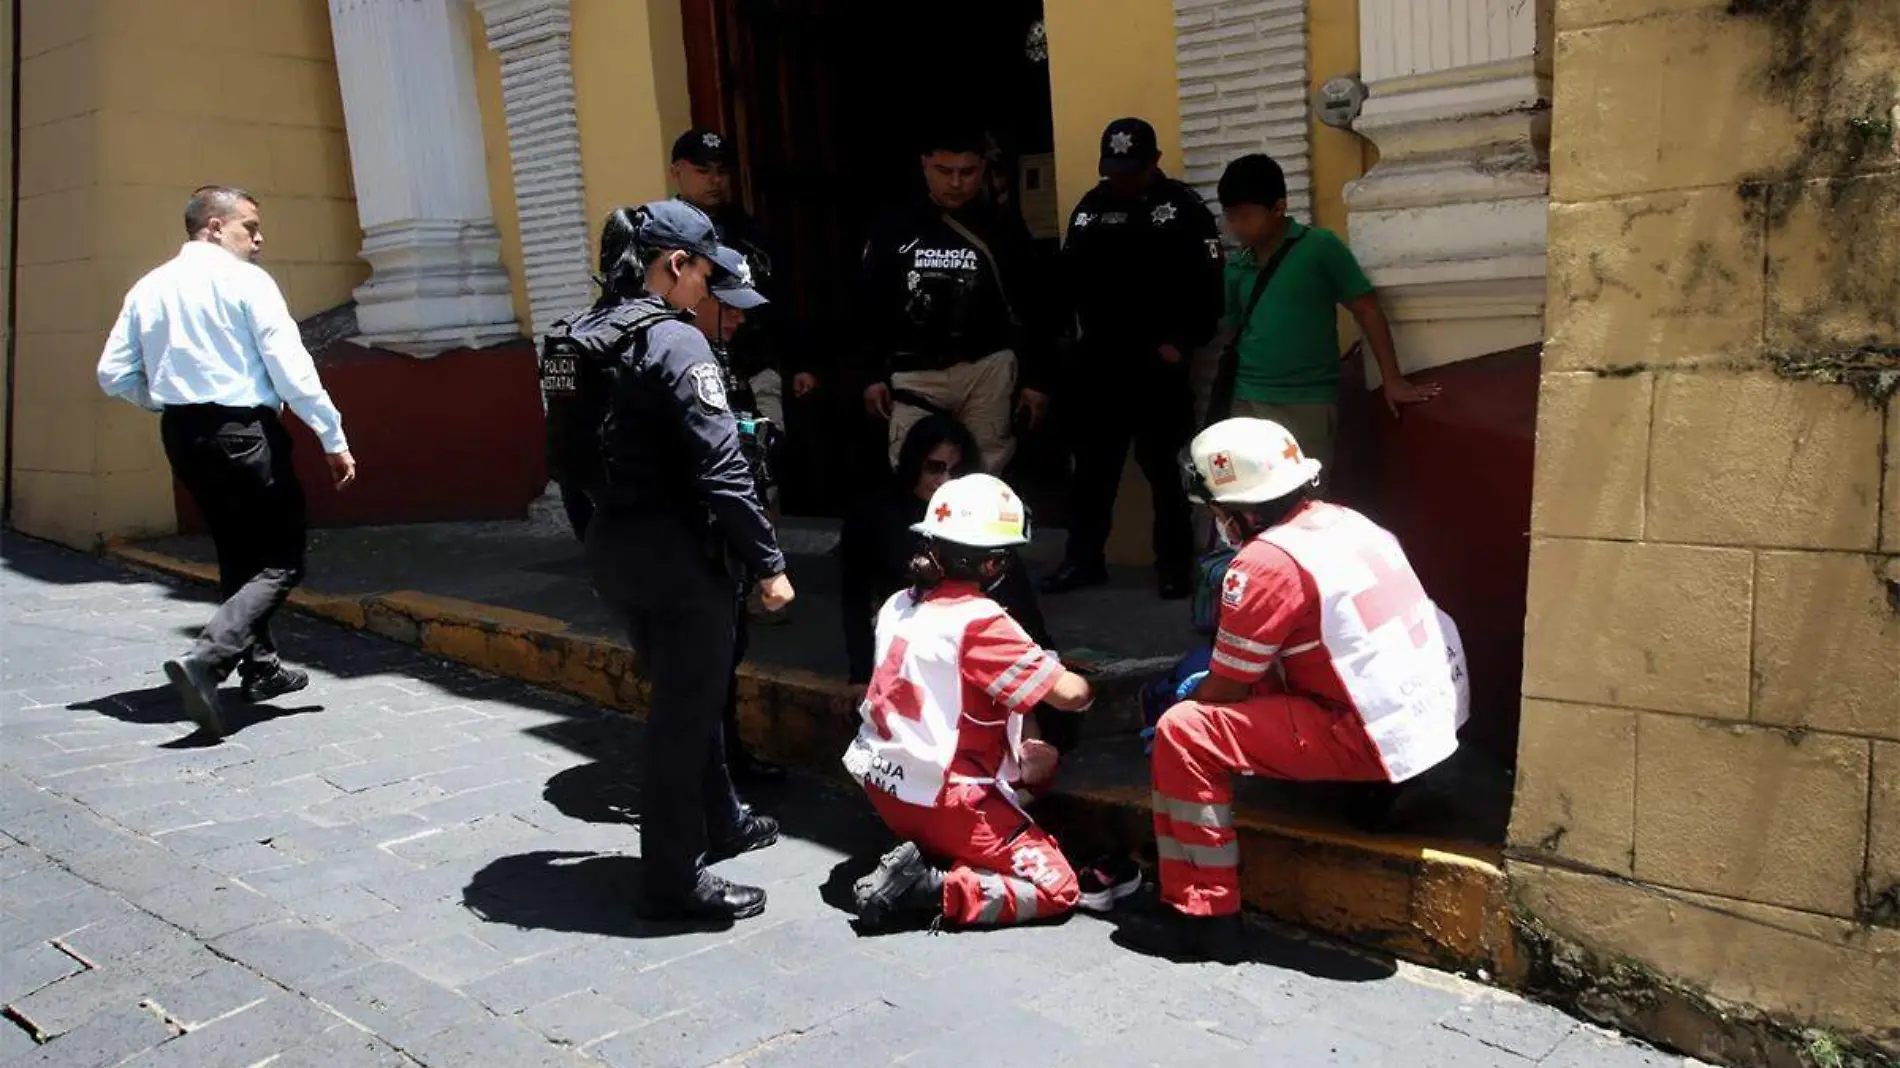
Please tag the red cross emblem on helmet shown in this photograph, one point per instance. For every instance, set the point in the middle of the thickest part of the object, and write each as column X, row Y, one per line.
column 1223, row 467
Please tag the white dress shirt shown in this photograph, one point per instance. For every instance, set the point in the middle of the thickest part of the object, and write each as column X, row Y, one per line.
column 209, row 328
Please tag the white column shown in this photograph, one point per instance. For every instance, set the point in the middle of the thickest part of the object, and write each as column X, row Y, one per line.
column 415, row 130
column 537, row 87
column 1451, row 223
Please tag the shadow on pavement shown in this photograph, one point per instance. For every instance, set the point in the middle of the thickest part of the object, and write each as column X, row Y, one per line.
column 581, row 893
column 161, row 704
column 1266, row 944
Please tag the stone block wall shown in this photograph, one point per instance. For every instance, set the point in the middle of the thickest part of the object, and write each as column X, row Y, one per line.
column 1709, row 766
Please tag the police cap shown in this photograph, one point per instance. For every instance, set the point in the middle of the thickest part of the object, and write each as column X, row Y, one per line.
column 1128, row 147
column 702, row 147
column 675, row 224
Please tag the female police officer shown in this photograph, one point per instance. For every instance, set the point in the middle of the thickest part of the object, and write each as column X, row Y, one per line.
column 678, row 528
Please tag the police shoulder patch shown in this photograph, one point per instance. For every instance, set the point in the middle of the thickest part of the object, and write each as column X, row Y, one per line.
column 709, row 386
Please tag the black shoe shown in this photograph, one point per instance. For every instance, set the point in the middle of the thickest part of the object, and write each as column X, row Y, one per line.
column 748, row 770
column 1175, row 588
column 1108, row 880
column 903, row 882
column 714, row 900
column 1174, row 935
column 753, row 832
column 280, row 682
column 198, row 688
column 1073, row 576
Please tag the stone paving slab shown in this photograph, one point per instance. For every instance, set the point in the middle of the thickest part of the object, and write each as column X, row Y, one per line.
column 281, row 900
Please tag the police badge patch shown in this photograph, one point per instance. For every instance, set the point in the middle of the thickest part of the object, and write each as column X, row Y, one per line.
column 709, row 385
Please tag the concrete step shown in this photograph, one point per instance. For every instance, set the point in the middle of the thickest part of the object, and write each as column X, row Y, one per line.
column 1436, row 898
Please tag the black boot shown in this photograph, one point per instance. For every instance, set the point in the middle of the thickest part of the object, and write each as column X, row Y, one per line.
column 904, row 884
column 752, row 832
column 712, row 900
column 197, row 687
column 1169, row 933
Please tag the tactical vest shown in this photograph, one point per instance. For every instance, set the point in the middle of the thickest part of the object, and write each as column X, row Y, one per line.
column 578, row 359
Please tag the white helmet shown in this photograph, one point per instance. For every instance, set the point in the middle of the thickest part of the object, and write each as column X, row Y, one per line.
column 1247, row 461
column 979, row 511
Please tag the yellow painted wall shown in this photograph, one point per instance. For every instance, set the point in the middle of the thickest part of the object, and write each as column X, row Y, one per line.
column 1709, row 771
column 115, row 133
column 630, row 100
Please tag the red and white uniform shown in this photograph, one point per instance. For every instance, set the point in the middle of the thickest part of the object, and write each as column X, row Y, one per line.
column 1357, row 677
column 943, row 720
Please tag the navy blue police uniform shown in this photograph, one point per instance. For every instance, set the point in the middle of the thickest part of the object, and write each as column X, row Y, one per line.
column 1137, row 273
column 678, row 530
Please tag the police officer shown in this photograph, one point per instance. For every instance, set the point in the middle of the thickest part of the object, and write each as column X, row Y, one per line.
column 945, row 302
column 677, row 526
column 1141, row 274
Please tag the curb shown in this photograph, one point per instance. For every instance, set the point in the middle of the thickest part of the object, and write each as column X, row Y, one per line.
column 1407, row 897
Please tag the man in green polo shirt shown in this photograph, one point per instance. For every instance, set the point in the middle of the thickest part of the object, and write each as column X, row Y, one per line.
column 1289, row 361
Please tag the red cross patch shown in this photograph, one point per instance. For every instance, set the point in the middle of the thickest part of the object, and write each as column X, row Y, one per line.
column 943, row 513
column 1233, row 588
column 1292, row 451
column 1223, row 467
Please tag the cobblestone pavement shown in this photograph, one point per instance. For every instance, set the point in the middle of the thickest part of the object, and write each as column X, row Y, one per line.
column 410, row 863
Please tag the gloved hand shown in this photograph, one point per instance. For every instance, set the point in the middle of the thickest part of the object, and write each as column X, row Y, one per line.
column 1189, row 685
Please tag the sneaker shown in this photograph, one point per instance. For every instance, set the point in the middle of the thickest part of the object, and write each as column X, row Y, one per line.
column 198, row 688
column 903, row 882
column 278, row 683
column 753, row 832
column 1108, row 880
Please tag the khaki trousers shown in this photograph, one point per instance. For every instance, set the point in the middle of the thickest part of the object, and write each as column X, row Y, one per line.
column 979, row 394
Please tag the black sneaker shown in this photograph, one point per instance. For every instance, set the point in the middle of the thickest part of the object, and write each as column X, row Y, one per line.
column 278, row 683
column 903, row 882
column 713, row 900
column 753, row 832
column 198, row 688
column 1174, row 935
column 1108, row 880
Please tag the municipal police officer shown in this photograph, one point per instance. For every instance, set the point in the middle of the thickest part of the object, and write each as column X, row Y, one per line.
column 677, row 527
column 947, row 309
column 1141, row 274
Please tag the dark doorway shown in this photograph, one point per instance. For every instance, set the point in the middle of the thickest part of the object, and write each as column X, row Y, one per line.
column 825, row 100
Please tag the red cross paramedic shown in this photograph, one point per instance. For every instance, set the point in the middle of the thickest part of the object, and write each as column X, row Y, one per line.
column 942, row 750
column 1330, row 664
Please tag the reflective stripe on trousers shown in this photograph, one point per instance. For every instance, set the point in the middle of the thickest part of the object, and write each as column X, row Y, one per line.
column 1006, row 899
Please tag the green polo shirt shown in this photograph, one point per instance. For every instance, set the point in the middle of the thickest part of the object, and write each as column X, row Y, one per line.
column 1289, row 353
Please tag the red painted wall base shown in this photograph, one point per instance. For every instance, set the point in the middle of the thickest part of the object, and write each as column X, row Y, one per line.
column 1452, row 479
column 449, row 438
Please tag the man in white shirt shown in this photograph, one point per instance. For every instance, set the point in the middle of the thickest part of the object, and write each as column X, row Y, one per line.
column 207, row 340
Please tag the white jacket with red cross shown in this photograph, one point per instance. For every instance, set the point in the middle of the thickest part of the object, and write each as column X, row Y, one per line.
column 955, row 675
column 1329, row 599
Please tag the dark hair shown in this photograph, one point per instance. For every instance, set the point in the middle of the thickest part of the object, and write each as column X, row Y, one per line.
column 622, row 267
column 955, row 136
column 1254, row 179
column 209, row 202
column 924, row 438
column 940, row 561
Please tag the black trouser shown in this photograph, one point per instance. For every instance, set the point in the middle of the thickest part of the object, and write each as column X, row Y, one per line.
column 681, row 614
column 235, row 463
column 1136, row 397
column 729, row 719
column 578, row 506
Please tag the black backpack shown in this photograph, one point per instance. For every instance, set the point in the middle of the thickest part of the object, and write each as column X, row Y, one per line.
column 578, row 368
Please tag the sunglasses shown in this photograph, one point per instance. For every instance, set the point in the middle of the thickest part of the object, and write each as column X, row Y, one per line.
column 936, row 467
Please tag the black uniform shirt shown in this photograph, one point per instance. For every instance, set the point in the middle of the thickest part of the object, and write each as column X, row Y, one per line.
column 1141, row 273
column 672, row 446
column 765, row 342
column 929, row 298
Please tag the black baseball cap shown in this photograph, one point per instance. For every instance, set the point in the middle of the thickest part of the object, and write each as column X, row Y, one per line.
column 702, row 146
column 1128, row 147
column 675, row 224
